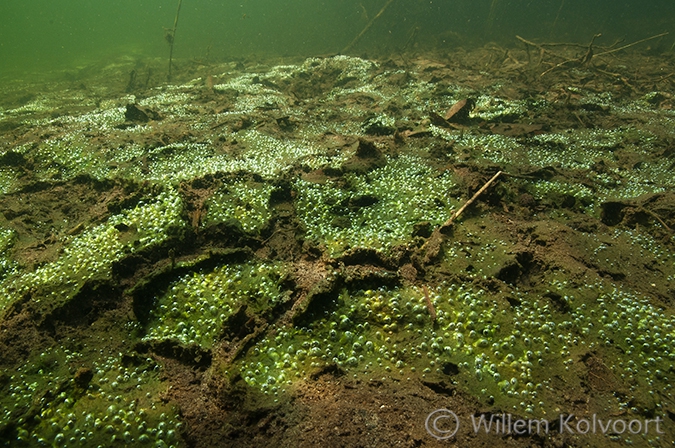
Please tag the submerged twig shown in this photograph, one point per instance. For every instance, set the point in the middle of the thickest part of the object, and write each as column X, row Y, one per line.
column 413, row 35
column 657, row 217
column 579, row 61
column 473, row 198
column 360, row 35
column 562, row 3
column 170, row 35
column 630, row 45
column 589, row 52
column 431, row 248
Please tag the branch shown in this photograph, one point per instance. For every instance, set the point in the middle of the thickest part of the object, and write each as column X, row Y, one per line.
column 356, row 39
column 473, row 198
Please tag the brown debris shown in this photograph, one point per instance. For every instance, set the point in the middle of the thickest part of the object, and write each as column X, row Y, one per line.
column 459, row 112
column 430, row 306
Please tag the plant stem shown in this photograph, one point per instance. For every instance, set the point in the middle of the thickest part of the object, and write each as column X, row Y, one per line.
column 356, row 39
column 173, row 36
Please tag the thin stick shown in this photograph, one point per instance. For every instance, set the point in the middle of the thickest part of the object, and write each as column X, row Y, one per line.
column 658, row 218
column 663, row 78
column 543, row 51
column 581, row 61
column 431, row 248
column 551, row 44
column 171, row 39
column 630, row 45
column 528, row 42
column 356, row 39
column 473, row 198
column 589, row 54
column 562, row 3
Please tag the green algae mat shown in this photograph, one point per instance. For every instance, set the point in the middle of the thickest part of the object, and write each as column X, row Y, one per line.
column 255, row 254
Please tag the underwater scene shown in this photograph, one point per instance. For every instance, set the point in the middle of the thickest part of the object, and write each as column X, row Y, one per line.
column 366, row 223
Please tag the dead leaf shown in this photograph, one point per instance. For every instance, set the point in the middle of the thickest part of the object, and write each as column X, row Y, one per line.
column 459, row 105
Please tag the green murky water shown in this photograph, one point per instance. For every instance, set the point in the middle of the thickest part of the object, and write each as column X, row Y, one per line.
column 263, row 219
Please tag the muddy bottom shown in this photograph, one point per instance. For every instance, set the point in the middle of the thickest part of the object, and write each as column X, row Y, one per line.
column 461, row 248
